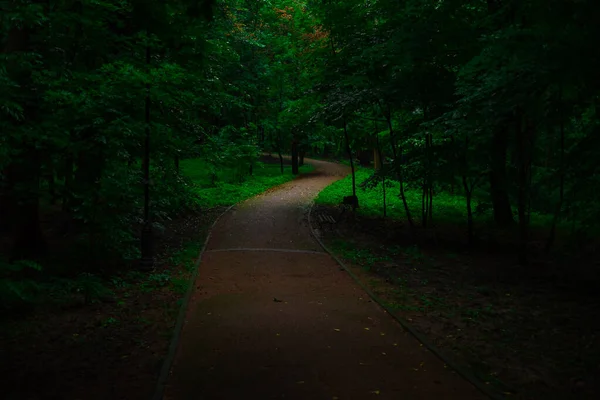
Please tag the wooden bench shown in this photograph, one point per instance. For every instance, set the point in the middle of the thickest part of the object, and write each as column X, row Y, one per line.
column 326, row 219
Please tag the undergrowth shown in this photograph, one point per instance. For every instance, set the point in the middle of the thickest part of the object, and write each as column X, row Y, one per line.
column 447, row 207
column 227, row 186
column 26, row 284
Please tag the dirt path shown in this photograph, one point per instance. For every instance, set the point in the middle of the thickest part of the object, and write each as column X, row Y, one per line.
column 322, row 339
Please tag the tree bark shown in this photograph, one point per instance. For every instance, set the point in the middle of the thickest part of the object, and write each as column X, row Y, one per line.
column 377, row 156
column 398, row 153
column 279, row 150
column 28, row 239
column 498, row 180
column 561, row 169
column 295, row 170
column 468, row 195
column 349, row 151
column 524, row 147
column 23, row 172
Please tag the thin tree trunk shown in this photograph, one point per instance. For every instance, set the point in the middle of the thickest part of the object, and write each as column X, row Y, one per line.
column 146, row 243
column 295, row 169
column 468, row 192
column 498, row 180
column 524, row 142
column 349, row 151
column 380, row 158
column 279, row 149
column 398, row 153
column 23, row 174
column 424, row 203
column 552, row 236
column 468, row 195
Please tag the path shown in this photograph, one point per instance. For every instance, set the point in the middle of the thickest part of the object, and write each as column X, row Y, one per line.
column 324, row 339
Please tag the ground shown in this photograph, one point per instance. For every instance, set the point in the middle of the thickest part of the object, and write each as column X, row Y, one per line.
column 273, row 316
column 109, row 349
column 529, row 332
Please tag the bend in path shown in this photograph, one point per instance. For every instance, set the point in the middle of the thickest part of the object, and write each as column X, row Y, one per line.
column 322, row 339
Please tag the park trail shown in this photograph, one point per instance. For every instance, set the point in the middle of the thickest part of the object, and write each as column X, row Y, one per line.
column 273, row 316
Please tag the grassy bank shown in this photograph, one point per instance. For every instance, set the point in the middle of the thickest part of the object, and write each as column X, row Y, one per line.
column 227, row 186
column 447, row 208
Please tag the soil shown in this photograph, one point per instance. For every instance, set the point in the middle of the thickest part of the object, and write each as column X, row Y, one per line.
column 273, row 317
column 111, row 349
column 529, row 332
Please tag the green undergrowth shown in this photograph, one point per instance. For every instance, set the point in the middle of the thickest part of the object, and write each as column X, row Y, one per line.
column 88, row 289
column 25, row 285
column 227, row 186
column 449, row 208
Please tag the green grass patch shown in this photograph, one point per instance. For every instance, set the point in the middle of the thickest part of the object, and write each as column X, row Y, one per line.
column 449, row 208
column 228, row 186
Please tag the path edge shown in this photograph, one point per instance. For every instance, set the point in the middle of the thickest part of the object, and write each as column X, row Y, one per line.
column 403, row 323
column 174, row 345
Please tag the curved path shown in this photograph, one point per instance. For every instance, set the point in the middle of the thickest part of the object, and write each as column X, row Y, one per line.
column 322, row 339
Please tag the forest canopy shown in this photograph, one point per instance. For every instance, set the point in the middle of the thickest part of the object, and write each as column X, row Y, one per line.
column 493, row 101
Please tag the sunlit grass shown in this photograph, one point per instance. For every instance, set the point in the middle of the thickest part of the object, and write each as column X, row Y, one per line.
column 450, row 208
column 229, row 185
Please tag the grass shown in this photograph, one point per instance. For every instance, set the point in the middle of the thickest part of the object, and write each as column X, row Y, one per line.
column 450, row 208
column 228, row 186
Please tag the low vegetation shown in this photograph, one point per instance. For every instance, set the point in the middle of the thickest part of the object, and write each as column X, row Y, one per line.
column 130, row 314
column 493, row 317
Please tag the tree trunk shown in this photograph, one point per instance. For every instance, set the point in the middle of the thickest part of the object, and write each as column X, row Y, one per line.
column 279, row 150
column 424, row 203
column 561, row 168
column 498, row 180
column 23, row 172
column 349, row 151
column 380, row 158
column 524, row 146
column 28, row 239
column 398, row 153
column 146, row 242
column 4, row 204
column 377, row 156
column 295, row 170
column 468, row 195
column 364, row 158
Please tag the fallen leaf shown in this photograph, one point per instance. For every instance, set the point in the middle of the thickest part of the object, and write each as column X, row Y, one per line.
column 336, row 329
column 375, row 391
column 395, row 344
column 382, row 334
column 367, row 329
column 383, row 353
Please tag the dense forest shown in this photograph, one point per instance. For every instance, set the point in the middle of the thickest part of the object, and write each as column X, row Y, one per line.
column 108, row 109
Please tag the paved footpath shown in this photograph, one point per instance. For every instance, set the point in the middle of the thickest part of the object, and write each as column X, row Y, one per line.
column 322, row 339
